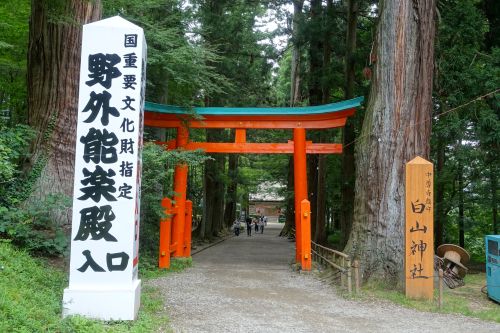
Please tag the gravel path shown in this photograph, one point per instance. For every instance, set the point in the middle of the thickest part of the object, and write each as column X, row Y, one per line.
column 245, row 284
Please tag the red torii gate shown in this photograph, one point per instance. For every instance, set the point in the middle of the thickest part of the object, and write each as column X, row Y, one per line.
column 175, row 230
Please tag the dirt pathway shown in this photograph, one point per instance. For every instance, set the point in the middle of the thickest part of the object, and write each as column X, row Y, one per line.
column 245, row 284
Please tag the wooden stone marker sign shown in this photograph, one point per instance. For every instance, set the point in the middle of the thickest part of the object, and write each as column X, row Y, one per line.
column 103, row 278
column 419, row 229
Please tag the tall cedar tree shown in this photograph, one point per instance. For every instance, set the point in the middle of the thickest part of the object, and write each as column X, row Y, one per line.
column 396, row 128
column 53, row 78
column 295, row 88
column 348, row 166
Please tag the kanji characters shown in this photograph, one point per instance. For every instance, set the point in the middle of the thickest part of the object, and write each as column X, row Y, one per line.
column 102, row 69
column 120, row 266
column 99, row 184
column 98, row 146
column 125, row 190
column 126, row 146
column 96, row 222
column 98, row 102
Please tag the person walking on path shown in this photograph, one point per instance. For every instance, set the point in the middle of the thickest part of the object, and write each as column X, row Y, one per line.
column 256, row 221
column 263, row 221
column 249, row 226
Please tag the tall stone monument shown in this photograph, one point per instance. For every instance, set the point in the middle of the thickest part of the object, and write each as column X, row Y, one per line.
column 103, row 280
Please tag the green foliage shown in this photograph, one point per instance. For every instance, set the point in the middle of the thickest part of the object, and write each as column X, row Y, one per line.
column 31, row 294
column 228, row 28
column 467, row 139
column 14, row 15
column 178, row 70
column 14, row 142
column 157, row 173
column 33, row 227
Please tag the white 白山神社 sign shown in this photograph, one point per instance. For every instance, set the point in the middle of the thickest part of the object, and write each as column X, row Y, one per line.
column 103, row 281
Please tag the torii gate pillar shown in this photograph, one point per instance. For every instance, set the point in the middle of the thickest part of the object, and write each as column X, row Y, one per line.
column 180, row 188
column 300, row 184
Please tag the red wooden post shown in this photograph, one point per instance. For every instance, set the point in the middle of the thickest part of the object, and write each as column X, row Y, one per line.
column 305, row 213
column 188, row 228
column 180, row 185
column 165, row 234
column 300, row 184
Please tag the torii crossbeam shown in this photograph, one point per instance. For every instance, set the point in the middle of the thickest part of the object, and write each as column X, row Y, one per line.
column 297, row 118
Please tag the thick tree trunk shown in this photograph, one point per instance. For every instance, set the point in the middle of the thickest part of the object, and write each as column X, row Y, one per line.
column 294, row 100
column 348, row 165
column 315, row 54
column 461, row 217
column 320, row 232
column 396, row 128
column 290, row 202
column 494, row 202
column 230, row 209
column 439, row 202
column 295, row 71
column 312, row 186
column 315, row 90
column 219, row 194
column 209, row 186
column 214, row 189
column 53, row 78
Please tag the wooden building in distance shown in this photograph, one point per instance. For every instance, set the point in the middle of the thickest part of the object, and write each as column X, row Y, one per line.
column 267, row 201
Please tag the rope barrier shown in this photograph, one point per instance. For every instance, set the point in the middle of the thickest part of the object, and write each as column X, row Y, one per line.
column 429, row 118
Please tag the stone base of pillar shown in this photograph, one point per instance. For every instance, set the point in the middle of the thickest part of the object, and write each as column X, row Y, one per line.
column 104, row 303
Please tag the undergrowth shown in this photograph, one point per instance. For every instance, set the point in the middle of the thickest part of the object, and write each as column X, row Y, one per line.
column 31, row 297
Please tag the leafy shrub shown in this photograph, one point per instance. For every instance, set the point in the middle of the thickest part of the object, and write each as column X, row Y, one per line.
column 33, row 228
column 14, row 143
column 157, row 175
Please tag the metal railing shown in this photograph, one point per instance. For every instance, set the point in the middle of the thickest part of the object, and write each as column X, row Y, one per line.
column 335, row 259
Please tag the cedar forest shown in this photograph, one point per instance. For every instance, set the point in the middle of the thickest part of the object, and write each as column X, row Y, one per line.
column 438, row 96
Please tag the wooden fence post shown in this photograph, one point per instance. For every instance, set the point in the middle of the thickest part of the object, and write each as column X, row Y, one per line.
column 440, row 299
column 349, row 277
column 356, row 276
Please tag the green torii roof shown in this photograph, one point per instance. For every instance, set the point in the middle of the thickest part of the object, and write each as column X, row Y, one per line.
column 271, row 111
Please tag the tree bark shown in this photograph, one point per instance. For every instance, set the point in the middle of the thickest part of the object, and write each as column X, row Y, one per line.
column 396, row 128
column 294, row 100
column 213, row 194
column 494, row 202
column 439, row 202
column 290, row 202
column 53, row 79
column 320, row 231
column 232, row 187
column 315, row 92
column 295, row 71
column 461, row 217
column 348, row 165
column 312, row 186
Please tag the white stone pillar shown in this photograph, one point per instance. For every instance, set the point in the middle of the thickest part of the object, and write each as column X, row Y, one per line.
column 103, row 281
